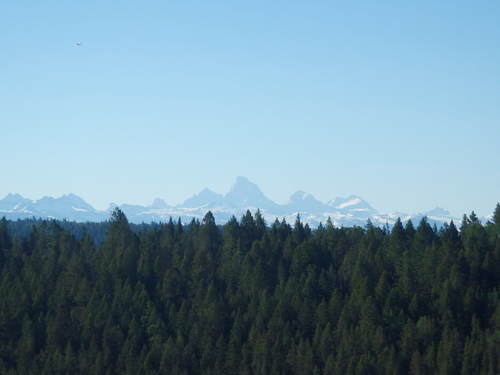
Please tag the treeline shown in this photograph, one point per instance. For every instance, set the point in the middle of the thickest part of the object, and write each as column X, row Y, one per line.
column 21, row 228
column 252, row 298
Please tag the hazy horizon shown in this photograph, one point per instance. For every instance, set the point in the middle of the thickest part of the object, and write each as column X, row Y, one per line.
column 395, row 102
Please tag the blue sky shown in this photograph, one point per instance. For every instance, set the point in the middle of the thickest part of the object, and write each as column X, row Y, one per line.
column 395, row 101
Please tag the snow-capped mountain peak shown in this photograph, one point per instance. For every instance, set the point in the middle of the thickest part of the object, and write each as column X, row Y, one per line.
column 299, row 195
column 353, row 202
column 244, row 195
column 301, row 201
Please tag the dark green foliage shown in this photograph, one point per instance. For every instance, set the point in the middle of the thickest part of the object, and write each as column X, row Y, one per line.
column 114, row 298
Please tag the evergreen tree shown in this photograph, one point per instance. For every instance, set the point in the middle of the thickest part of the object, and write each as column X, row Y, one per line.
column 175, row 300
column 5, row 240
column 496, row 214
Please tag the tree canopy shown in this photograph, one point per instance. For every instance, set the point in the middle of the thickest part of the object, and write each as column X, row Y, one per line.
column 248, row 298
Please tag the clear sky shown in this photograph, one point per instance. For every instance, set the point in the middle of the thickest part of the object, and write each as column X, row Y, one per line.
column 395, row 101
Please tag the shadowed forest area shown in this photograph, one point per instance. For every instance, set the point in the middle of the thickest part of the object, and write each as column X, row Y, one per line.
column 250, row 298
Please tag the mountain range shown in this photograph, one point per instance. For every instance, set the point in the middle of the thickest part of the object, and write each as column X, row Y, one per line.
column 244, row 195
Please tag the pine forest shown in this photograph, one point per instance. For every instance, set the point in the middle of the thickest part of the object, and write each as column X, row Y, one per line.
column 249, row 297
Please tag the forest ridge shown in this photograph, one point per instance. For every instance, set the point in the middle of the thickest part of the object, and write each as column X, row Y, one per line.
column 252, row 298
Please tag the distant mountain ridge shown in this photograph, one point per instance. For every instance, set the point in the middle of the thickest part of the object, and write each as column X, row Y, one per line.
column 244, row 195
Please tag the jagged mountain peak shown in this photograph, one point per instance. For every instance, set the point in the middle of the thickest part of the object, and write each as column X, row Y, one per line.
column 67, row 201
column 438, row 211
column 110, row 207
column 243, row 180
column 13, row 197
column 301, row 195
column 72, row 198
column 244, row 184
column 206, row 196
column 298, row 195
column 353, row 204
column 300, row 201
column 245, row 193
column 159, row 203
column 13, row 202
column 207, row 192
column 67, row 206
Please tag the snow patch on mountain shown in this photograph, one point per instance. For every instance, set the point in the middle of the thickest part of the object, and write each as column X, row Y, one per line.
column 244, row 195
column 352, row 202
column 79, row 209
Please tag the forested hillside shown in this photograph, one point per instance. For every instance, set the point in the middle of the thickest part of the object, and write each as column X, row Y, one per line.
column 251, row 298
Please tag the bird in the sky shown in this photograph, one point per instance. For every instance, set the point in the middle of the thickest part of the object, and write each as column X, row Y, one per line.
column 78, row 43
